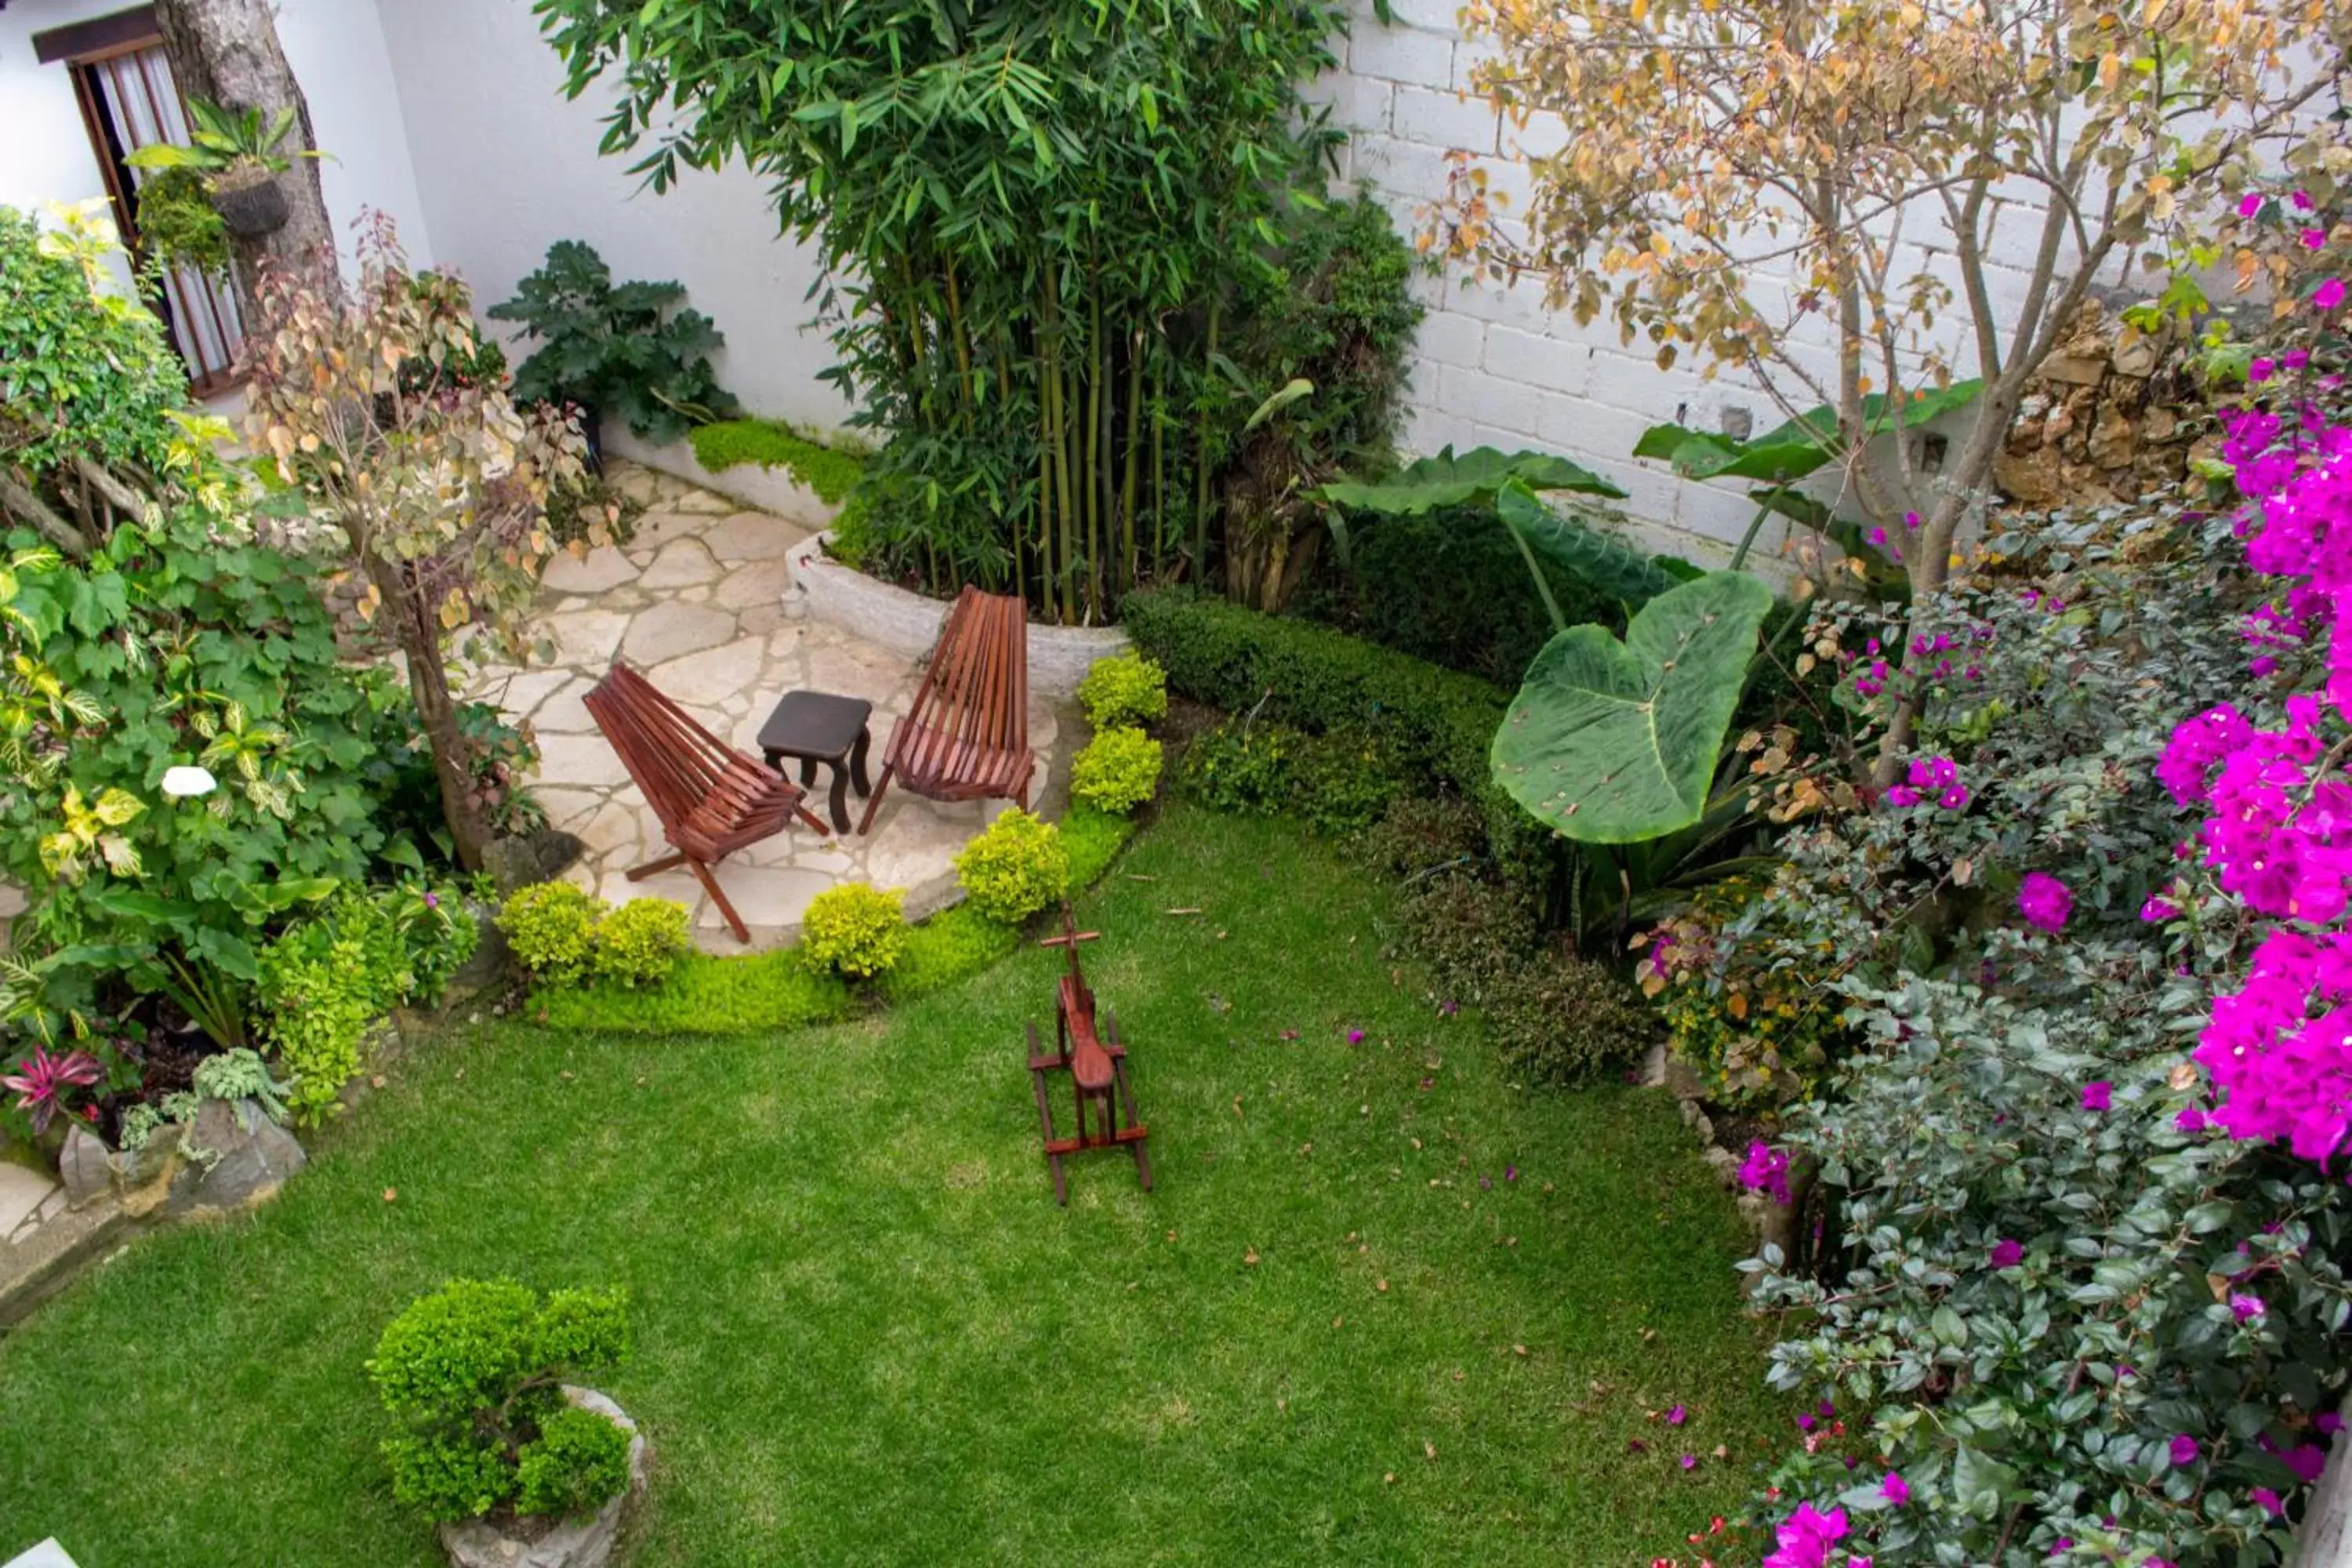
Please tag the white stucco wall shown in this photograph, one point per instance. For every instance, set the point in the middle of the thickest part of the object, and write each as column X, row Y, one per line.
column 508, row 166
column 336, row 51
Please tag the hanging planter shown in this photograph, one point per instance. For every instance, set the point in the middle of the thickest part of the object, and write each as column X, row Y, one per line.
column 250, row 202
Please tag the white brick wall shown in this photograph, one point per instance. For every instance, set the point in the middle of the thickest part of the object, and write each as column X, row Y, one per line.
column 1492, row 365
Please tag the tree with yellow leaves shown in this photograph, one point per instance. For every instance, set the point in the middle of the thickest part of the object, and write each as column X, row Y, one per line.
column 1801, row 190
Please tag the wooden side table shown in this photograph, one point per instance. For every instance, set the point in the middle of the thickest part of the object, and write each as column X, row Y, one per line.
column 818, row 727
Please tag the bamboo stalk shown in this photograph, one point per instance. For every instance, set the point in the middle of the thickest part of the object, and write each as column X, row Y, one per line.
column 1095, row 455
column 1158, row 466
column 1134, row 448
column 1200, row 441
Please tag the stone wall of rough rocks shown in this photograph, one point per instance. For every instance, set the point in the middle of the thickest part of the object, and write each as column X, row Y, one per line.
column 2114, row 415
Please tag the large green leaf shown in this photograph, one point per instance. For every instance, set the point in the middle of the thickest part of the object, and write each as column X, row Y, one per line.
column 1598, row 557
column 1616, row 742
column 1791, row 451
column 1448, row 480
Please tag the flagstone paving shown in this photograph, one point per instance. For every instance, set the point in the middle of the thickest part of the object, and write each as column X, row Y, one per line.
column 697, row 600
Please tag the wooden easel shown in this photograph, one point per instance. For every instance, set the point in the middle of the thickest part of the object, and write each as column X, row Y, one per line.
column 1096, row 1064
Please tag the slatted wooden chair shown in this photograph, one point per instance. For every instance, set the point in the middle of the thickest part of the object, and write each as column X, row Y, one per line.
column 712, row 799
column 966, row 736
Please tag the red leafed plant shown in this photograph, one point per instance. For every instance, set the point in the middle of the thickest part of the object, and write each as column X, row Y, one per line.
column 42, row 1082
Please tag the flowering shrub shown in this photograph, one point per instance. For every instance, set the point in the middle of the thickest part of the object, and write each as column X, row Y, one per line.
column 2081, row 1322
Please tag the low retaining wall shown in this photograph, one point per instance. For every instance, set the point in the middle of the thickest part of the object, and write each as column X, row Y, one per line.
column 907, row 623
column 765, row 489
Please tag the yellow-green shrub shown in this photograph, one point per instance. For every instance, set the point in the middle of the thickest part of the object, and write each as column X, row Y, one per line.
column 1015, row 868
column 1118, row 770
column 552, row 926
column 1124, row 689
column 856, row 930
column 640, row 942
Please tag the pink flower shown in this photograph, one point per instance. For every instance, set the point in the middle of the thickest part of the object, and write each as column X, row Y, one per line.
column 2267, row 1498
column 2250, row 204
column 2327, row 1424
column 2098, row 1095
column 2314, row 239
column 2328, row 295
column 1677, row 1415
column 1804, row 1538
column 2307, row 1461
column 2158, row 908
column 2302, row 200
column 1954, row 798
column 1902, row 796
column 2247, row 1309
column 2006, row 1252
column 1355, row 1037
column 1766, row 1170
column 2185, row 1450
column 1895, row 1490
column 2045, row 902
column 2190, row 1119
column 1690, row 1461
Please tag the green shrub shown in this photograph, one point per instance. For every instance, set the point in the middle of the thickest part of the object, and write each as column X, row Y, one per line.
column 1344, row 780
column 1243, row 767
column 582, row 1459
column 1116, row 771
column 1124, row 689
column 1417, row 834
column 471, row 1376
column 551, row 927
column 1472, row 933
column 773, row 444
column 629, row 353
column 325, row 979
column 1561, row 1019
column 750, row 994
column 1438, row 725
column 957, row 943
column 640, row 943
column 1014, row 868
column 855, row 930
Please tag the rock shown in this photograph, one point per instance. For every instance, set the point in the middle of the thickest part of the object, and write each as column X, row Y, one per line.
column 2075, row 369
column 2136, row 355
column 1723, row 1163
column 86, row 1165
column 518, row 861
column 753, row 536
column 247, row 1159
column 2033, row 479
column 2112, row 441
column 577, row 1543
column 1653, row 1065
column 1681, row 1080
column 594, row 573
column 682, row 564
column 2160, row 425
column 488, row 966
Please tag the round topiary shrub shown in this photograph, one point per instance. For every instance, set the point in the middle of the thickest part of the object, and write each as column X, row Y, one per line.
column 472, row 1377
column 856, row 930
column 552, row 926
column 1116, row 771
column 1015, row 868
column 642, row 941
column 1126, row 689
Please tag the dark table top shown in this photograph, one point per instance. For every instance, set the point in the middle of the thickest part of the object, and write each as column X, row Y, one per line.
column 815, row 724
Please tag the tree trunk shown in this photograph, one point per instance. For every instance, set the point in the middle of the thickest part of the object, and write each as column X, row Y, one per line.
column 437, row 713
column 227, row 52
column 2325, row 1539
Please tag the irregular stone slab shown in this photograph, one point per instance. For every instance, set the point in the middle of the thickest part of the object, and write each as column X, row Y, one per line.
column 255, row 1157
column 86, row 1166
column 577, row 1542
column 600, row 570
column 913, row 841
column 678, row 885
column 615, row 834
column 766, row 895
column 565, row 712
column 755, row 583
column 527, row 691
column 661, row 526
column 707, row 678
column 667, row 630
column 586, row 637
column 844, row 673
column 752, row 536
column 681, row 564
column 567, row 807
column 579, row 760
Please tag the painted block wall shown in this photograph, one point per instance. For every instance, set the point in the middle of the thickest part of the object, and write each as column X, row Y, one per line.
column 337, row 50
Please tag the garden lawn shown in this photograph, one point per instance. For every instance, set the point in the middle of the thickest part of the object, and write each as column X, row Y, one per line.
column 1385, row 1306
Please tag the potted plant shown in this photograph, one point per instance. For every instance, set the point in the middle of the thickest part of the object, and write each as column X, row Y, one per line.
column 239, row 156
column 490, row 1438
column 620, row 352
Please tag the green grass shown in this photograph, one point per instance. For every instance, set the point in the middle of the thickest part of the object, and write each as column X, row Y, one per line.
column 865, row 1334
column 773, row 444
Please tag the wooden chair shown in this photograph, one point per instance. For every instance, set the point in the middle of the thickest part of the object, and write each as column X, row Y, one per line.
column 711, row 798
column 966, row 736
column 1097, row 1063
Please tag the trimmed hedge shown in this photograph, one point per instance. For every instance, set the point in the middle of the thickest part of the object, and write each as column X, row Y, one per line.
column 1439, row 723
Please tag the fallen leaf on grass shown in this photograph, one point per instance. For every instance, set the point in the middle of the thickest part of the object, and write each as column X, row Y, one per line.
column 1381, row 1286
column 1182, row 911
column 1430, row 1448
column 378, row 1080
column 1250, row 1256
column 390, row 1193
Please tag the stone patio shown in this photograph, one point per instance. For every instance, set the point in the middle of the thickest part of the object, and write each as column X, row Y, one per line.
column 697, row 600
